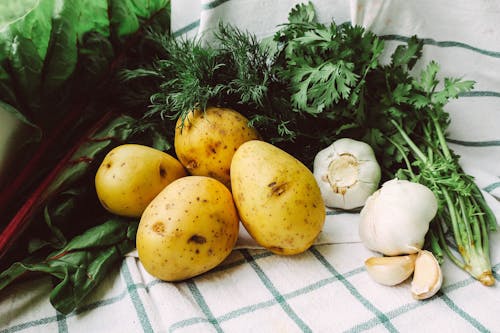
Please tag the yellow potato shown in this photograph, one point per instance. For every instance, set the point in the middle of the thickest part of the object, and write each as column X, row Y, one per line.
column 277, row 197
column 188, row 229
column 131, row 175
column 206, row 141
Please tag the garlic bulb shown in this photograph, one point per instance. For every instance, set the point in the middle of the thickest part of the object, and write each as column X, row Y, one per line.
column 347, row 173
column 395, row 219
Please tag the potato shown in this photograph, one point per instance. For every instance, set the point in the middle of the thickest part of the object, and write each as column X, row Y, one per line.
column 131, row 175
column 188, row 229
column 206, row 141
column 277, row 197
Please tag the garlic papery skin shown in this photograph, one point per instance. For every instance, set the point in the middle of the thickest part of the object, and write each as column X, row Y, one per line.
column 395, row 219
column 390, row 271
column 347, row 173
column 427, row 277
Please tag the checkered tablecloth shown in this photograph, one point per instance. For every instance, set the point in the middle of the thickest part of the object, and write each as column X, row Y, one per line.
column 325, row 289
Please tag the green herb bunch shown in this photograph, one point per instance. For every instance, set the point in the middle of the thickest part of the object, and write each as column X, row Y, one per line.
column 335, row 74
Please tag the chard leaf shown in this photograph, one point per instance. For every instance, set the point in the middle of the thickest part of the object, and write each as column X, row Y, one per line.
column 67, row 39
column 82, row 264
column 24, row 41
column 97, row 239
column 56, row 58
column 16, row 141
column 52, row 52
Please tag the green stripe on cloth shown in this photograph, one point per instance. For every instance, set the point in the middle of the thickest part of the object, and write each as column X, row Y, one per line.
column 30, row 324
column 102, row 303
column 411, row 306
column 203, row 305
column 382, row 318
column 193, row 25
column 480, row 93
column 61, row 318
column 241, row 311
column 187, row 28
column 463, row 314
column 134, row 296
column 491, row 143
column 492, row 187
column 265, row 304
column 430, row 41
column 214, row 4
column 270, row 286
column 495, row 270
column 254, row 307
column 235, row 263
column 187, row 322
column 341, row 212
column 62, row 325
column 391, row 315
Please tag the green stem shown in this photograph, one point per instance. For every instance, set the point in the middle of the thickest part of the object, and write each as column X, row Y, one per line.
column 478, row 224
column 479, row 266
column 476, row 258
column 454, row 220
column 481, row 203
column 405, row 156
column 465, row 223
column 442, row 139
column 434, row 244
column 444, row 244
column 410, row 142
column 483, row 231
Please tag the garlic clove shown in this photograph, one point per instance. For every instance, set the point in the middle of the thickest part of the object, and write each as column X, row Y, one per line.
column 427, row 277
column 390, row 271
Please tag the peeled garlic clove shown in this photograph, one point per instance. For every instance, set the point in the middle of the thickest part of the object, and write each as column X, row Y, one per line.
column 427, row 277
column 390, row 271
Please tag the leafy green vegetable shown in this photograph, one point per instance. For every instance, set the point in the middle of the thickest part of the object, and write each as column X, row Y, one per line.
column 81, row 264
column 70, row 209
column 53, row 51
column 58, row 65
column 55, row 57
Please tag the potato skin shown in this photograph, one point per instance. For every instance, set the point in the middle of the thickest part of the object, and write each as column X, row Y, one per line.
column 206, row 141
column 131, row 175
column 188, row 229
column 277, row 197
